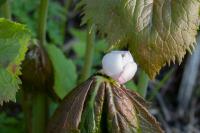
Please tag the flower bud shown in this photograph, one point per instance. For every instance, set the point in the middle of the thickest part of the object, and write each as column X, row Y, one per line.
column 119, row 65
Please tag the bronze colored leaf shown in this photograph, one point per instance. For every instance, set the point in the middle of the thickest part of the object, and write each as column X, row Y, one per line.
column 67, row 117
column 155, row 31
column 101, row 105
column 147, row 123
column 37, row 70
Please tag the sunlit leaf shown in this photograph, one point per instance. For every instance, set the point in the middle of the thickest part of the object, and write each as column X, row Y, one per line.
column 64, row 71
column 101, row 105
column 8, row 86
column 14, row 40
column 155, row 31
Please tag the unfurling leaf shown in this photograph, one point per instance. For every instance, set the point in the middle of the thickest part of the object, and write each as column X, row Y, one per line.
column 101, row 105
column 14, row 40
column 37, row 70
column 155, row 31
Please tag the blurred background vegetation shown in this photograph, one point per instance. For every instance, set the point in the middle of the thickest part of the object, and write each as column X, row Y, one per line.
column 174, row 94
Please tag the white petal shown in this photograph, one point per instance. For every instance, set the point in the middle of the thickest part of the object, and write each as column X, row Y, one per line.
column 127, row 58
column 128, row 73
column 112, row 64
column 119, row 65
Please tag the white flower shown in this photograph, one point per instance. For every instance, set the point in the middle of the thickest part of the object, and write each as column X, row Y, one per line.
column 119, row 65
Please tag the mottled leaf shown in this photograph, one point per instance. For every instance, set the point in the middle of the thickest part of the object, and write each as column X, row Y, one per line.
column 100, row 105
column 14, row 40
column 155, row 31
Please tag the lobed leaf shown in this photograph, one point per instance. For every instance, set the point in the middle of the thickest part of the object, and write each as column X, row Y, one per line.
column 100, row 105
column 155, row 31
column 69, row 120
column 8, row 86
column 14, row 40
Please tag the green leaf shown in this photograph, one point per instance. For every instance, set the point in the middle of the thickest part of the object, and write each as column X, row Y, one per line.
column 8, row 45
column 132, row 86
column 14, row 40
column 12, row 124
column 64, row 71
column 79, row 45
column 156, row 32
column 55, row 32
column 8, row 86
column 101, row 46
column 79, row 48
column 56, row 19
column 24, row 12
column 92, row 114
column 79, row 34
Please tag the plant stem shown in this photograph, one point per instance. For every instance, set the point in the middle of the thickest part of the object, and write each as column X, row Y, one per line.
column 63, row 25
column 6, row 10
column 39, row 98
column 39, row 113
column 143, row 83
column 26, row 105
column 88, row 54
column 43, row 10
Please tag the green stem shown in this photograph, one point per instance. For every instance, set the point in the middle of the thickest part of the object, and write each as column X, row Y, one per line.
column 143, row 83
column 42, row 20
column 67, row 5
column 6, row 10
column 39, row 98
column 88, row 54
column 26, row 105
column 39, row 113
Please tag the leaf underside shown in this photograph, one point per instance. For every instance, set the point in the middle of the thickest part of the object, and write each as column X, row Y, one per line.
column 14, row 40
column 155, row 31
column 101, row 106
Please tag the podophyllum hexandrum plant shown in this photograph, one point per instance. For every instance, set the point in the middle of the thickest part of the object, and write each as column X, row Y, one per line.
column 156, row 32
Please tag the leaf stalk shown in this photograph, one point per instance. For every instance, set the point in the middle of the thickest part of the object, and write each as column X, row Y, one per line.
column 6, row 10
column 143, row 83
column 88, row 54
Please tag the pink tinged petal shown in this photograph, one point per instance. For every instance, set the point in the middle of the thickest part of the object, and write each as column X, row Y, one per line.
column 128, row 72
column 121, row 80
column 119, row 65
column 112, row 64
